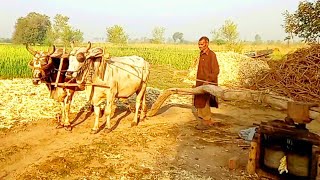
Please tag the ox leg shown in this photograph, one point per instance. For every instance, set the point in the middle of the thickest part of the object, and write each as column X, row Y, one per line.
column 144, row 107
column 138, row 104
column 61, row 116
column 88, row 107
column 95, row 128
column 110, row 102
column 67, row 103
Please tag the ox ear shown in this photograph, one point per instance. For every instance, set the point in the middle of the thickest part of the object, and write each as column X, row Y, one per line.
column 52, row 50
column 30, row 64
column 31, row 51
column 89, row 46
column 80, row 57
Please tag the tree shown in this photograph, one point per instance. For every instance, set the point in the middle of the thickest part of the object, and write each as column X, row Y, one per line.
column 158, row 35
column 117, row 35
column 5, row 40
column 304, row 22
column 31, row 29
column 289, row 25
column 63, row 32
column 177, row 36
column 227, row 33
column 216, row 37
column 257, row 39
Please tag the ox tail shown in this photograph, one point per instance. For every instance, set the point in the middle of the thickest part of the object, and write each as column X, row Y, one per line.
column 146, row 73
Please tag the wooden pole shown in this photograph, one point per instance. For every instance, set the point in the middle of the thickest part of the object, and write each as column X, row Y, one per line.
column 318, row 169
column 278, row 102
column 315, row 163
column 257, row 138
column 59, row 72
column 251, row 166
column 211, row 89
column 76, row 84
column 206, row 82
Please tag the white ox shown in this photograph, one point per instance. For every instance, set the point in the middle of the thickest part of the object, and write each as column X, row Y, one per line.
column 121, row 78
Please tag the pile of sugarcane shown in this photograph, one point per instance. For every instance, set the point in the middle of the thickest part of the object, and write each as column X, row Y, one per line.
column 296, row 76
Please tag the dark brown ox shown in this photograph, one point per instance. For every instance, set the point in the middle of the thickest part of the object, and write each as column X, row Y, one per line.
column 119, row 77
column 45, row 67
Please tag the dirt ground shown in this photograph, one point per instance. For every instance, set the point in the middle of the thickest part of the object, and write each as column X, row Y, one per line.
column 166, row 146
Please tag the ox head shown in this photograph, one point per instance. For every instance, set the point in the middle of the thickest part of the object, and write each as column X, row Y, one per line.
column 77, row 57
column 40, row 64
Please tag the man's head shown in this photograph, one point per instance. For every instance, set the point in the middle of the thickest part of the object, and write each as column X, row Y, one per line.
column 203, row 43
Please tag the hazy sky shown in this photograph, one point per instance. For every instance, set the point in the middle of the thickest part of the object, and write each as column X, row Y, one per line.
column 194, row 18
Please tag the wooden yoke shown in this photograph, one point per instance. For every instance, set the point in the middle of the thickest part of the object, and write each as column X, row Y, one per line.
column 59, row 72
column 60, row 55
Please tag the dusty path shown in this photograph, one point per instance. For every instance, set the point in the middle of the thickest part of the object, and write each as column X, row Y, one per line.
column 166, row 146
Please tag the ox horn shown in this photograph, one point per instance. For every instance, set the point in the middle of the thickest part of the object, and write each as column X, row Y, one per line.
column 72, row 44
column 31, row 50
column 52, row 51
column 89, row 46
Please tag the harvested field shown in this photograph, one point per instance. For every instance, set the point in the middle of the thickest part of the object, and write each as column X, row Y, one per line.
column 166, row 146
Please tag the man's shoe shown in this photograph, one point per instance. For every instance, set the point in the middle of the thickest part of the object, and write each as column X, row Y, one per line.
column 208, row 122
column 202, row 127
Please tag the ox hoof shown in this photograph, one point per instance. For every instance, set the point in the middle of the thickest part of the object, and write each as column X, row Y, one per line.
column 107, row 130
column 142, row 119
column 94, row 131
column 68, row 128
column 59, row 126
column 134, row 124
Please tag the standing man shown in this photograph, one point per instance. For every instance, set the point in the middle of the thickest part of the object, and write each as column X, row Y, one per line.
column 208, row 71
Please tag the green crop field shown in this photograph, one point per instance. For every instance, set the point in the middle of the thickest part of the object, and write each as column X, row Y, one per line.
column 14, row 58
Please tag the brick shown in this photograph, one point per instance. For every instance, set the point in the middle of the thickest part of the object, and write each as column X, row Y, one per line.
column 234, row 162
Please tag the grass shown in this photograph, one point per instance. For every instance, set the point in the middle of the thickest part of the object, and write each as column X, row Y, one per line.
column 14, row 58
column 14, row 61
column 170, row 77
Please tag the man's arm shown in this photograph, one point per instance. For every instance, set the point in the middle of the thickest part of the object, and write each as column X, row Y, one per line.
column 214, row 72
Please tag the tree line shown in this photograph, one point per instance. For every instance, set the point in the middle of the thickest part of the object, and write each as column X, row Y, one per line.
column 37, row 28
column 304, row 22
